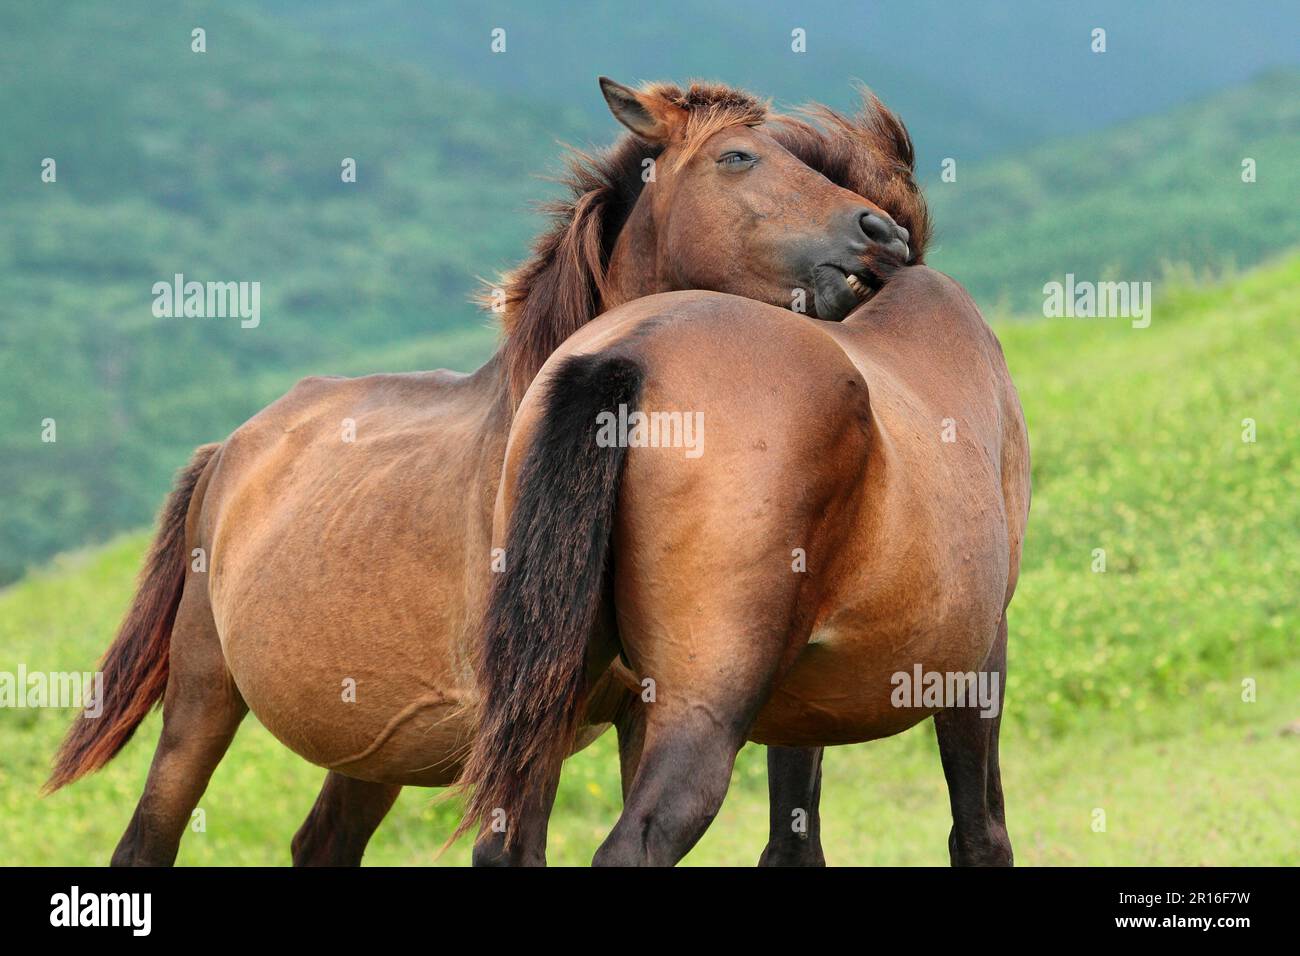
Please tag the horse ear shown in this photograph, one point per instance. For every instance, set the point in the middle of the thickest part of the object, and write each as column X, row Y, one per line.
column 648, row 115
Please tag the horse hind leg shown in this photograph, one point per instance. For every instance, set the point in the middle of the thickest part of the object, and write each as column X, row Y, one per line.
column 713, row 649
column 794, row 788
column 202, row 709
column 993, row 783
column 679, row 787
column 692, row 733
column 342, row 820
column 968, row 748
column 630, row 726
column 609, row 703
column 794, row 783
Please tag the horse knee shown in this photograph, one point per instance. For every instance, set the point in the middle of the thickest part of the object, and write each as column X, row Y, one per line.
column 792, row 853
column 989, row 848
column 341, row 821
column 305, row 845
column 490, row 851
column 662, row 837
column 318, row 843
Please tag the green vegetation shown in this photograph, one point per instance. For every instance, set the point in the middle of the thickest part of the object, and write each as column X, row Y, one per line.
column 222, row 166
column 973, row 79
column 1125, row 692
column 226, row 166
column 1129, row 202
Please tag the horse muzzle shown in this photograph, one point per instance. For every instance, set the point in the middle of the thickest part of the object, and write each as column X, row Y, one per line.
column 845, row 265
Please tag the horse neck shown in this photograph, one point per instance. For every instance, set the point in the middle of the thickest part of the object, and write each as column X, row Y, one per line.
column 634, row 261
column 493, row 382
column 632, row 272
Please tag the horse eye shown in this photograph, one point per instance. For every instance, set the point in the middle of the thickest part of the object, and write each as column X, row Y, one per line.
column 736, row 158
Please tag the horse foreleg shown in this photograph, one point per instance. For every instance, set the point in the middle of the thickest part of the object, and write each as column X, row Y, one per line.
column 341, row 822
column 968, row 747
column 794, row 788
column 202, row 709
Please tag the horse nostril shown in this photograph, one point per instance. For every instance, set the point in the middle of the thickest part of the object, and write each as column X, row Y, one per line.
column 874, row 227
column 882, row 230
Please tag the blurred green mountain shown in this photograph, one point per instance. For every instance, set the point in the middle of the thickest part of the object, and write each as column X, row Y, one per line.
column 974, row 79
column 1129, row 202
column 225, row 165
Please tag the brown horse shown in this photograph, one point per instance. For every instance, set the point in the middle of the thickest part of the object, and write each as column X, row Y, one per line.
column 328, row 564
column 846, row 523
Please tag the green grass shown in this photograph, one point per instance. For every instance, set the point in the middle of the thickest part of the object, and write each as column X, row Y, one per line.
column 1125, row 686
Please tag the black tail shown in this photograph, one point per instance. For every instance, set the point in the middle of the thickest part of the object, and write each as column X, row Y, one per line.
column 532, row 666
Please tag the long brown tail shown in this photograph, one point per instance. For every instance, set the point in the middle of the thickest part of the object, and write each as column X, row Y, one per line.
column 543, row 607
column 135, row 665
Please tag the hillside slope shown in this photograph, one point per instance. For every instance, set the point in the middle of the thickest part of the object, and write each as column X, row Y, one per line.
column 1128, row 202
column 225, row 166
column 1124, row 688
column 222, row 166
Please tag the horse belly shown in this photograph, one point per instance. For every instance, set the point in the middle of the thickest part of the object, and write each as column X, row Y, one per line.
column 376, row 707
column 357, row 662
column 866, row 671
column 844, row 690
column 347, row 571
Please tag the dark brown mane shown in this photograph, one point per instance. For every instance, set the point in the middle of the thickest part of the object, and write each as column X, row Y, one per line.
column 561, row 286
column 870, row 154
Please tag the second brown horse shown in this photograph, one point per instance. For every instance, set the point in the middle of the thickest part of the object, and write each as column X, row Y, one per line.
column 845, row 524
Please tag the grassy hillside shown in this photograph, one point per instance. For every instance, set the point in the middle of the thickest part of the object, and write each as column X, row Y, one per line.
column 225, row 165
column 1127, row 202
column 1125, row 686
